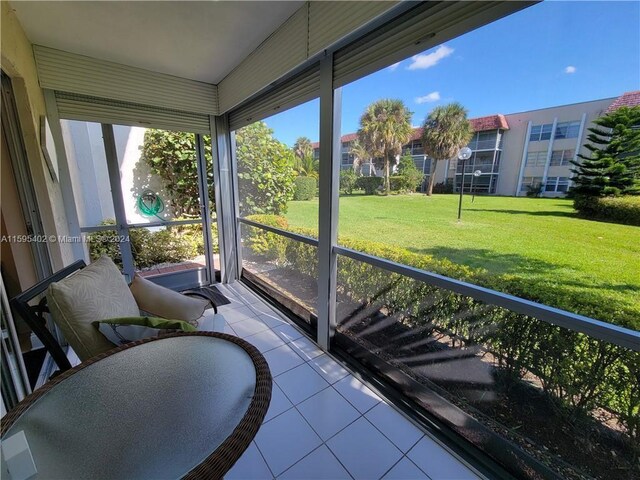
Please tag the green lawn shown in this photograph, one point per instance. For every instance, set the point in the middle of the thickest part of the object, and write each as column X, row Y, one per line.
column 536, row 239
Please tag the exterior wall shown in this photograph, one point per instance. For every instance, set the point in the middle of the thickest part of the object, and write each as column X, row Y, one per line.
column 90, row 179
column 515, row 140
column 18, row 63
column 510, row 149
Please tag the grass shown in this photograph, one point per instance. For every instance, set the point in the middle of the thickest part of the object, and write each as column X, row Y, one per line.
column 534, row 239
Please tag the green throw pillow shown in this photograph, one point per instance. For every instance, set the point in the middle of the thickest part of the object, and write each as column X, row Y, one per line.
column 129, row 329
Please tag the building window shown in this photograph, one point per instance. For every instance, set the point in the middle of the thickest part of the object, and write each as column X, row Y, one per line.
column 529, row 182
column 557, row 184
column 536, row 159
column 561, row 157
column 347, row 159
column 540, row 132
column 483, row 141
column 567, row 129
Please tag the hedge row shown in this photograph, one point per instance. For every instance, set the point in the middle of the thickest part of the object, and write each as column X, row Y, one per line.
column 370, row 185
column 305, row 188
column 170, row 245
column 624, row 210
column 349, row 182
column 576, row 370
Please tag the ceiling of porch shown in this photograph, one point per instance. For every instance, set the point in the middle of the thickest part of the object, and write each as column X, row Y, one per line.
column 197, row 40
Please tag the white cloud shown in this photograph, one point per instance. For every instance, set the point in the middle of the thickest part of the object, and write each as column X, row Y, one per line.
column 394, row 66
column 430, row 97
column 428, row 60
column 570, row 69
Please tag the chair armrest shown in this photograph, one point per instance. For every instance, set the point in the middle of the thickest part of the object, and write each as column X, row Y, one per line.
column 201, row 295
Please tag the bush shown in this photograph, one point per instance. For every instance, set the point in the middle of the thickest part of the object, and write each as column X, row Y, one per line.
column 172, row 157
column 267, row 245
column 534, row 190
column 305, row 188
column 265, row 171
column 406, row 183
column 348, row 180
column 173, row 244
column 370, row 185
column 409, row 177
column 625, row 210
column 443, row 187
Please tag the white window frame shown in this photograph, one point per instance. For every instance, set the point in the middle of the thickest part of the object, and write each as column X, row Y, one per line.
column 538, row 131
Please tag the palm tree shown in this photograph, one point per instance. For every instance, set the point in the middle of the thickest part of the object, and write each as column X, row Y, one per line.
column 445, row 131
column 385, row 127
column 301, row 149
column 309, row 166
column 360, row 155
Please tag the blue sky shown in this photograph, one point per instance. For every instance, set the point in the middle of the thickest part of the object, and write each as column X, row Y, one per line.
column 553, row 53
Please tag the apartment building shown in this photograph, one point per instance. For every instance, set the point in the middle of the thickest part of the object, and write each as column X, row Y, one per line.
column 512, row 152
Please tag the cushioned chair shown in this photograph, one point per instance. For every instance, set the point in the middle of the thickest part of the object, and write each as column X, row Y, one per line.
column 79, row 294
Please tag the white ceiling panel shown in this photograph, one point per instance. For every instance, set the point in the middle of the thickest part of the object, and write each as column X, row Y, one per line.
column 197, row 40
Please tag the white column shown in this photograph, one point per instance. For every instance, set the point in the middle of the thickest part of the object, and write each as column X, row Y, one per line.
column 549, row 151
column 579, row 142
column 523, row 162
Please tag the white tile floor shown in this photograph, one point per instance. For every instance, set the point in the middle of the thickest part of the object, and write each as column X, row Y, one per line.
column 323, row 423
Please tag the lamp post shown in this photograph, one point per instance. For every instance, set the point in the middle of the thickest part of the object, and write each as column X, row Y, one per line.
column 464, row 154
column 476, row 174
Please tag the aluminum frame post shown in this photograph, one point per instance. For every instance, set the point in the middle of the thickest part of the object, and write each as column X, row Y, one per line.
column 205, row 214
column 226, row 198
column 330, row 116
column 122, row 228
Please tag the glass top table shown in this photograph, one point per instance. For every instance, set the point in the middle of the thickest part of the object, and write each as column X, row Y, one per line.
column 182, row 405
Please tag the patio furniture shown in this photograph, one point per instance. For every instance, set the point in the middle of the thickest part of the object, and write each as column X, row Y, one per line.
column 34, row 315
column 189, row 409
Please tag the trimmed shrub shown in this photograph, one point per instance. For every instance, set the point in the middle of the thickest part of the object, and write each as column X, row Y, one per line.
column 407, row 183
column 370, row 185
column 443, row 187
column 348, row 180
column 625, row 210
column 267, row 245
column 305, row 188
column 172, row 244
column 535, row 190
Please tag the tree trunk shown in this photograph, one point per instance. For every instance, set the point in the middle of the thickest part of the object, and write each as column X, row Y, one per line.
column 432, row 176
column 387, row 184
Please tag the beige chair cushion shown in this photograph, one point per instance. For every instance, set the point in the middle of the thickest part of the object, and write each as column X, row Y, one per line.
column 97, row 292
column 163, row 302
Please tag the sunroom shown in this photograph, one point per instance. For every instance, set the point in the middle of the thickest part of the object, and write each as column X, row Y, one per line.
column 176, row 139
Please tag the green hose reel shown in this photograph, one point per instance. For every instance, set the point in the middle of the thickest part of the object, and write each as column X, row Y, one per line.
column 150, row 204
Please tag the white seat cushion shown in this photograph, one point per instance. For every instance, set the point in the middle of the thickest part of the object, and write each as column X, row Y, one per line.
column 211, row 322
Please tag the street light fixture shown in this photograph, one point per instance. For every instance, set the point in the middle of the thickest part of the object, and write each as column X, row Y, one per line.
column 464, row 154
column 476, row 174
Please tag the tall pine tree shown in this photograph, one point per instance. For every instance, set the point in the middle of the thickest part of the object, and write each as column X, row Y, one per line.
column 613, row 167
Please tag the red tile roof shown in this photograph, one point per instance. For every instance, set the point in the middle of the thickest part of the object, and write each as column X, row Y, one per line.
column 491, row 122
column 481, row 124
column 349, row 137
column 627, row 99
